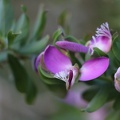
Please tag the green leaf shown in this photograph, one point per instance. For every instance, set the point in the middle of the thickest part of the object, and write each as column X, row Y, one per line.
column 116, row 49
column 44, row 73
column 39, row 24
column 49, row 79
column 6, row 16
column 116, row 104
column 90, row 93
column 63, row 21
column 114, row 36
column 72, row 39
column 57, row 35
column 114, row 115
column 99, row 100
column 74, row 59
column 35, row 47
column 31, row 92
column 23, row 27
column 11, row 37
column 19, row 72
column 57, row 89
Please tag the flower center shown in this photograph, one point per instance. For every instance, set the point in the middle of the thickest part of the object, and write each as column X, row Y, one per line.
column 70, row 79
column 66, row 76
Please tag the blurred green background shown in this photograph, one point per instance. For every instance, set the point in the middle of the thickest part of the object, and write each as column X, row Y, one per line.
column 85, row 17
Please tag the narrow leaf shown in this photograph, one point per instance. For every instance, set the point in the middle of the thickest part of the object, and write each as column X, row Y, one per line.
column 35, row 47
column 39, row 24
column 19, row 72
column 23, row 27
column 116, row 49
column 6, row 15
column 99, row 100
column 57, row 35
column 31, row 92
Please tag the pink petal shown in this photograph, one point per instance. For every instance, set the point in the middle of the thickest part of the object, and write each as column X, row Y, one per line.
column 102, row 39
column 38, row 61
column 55, row 60
column 94, row 68
column 74, row 47
column 103, row 43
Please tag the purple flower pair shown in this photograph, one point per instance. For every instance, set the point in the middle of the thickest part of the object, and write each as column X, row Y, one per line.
column 58, row 63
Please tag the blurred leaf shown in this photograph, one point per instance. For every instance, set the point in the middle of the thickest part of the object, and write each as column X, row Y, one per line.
column 114, row 36
column 57, row 89
column 74, row 59
column 23, row 8
column 3, row 56
column 23, row 27
column 34, row 47
column 63, row 21
column 39, row 24
column 31, row 92
column 6, row 16
column 90, row 93
column 72, row 39
column 11, row 37
column 19, row 72
column 116, row 49
column 2, row 43
column 99, row 100
column 114, row 115
column 114, row 64
column 57, row 35
column 72, row 113
column 116, row 104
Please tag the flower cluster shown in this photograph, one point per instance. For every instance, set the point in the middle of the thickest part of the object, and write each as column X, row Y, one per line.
column 56, row 60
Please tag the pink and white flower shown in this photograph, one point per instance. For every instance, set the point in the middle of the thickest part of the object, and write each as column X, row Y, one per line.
column 102, row 39
column 60, row 65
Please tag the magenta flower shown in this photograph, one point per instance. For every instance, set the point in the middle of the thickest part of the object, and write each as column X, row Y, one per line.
column 60, row 66
column 117, row 80
column 102, row 39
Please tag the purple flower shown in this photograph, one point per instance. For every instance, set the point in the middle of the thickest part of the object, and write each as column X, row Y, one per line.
column 60, row 65
column 102, row 39
column 117, row 80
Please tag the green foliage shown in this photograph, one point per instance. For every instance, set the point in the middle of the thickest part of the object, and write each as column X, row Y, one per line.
column 6, row 16
column 22, row 80
column 39, row 24
column 16, row 46
column 55, row 85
